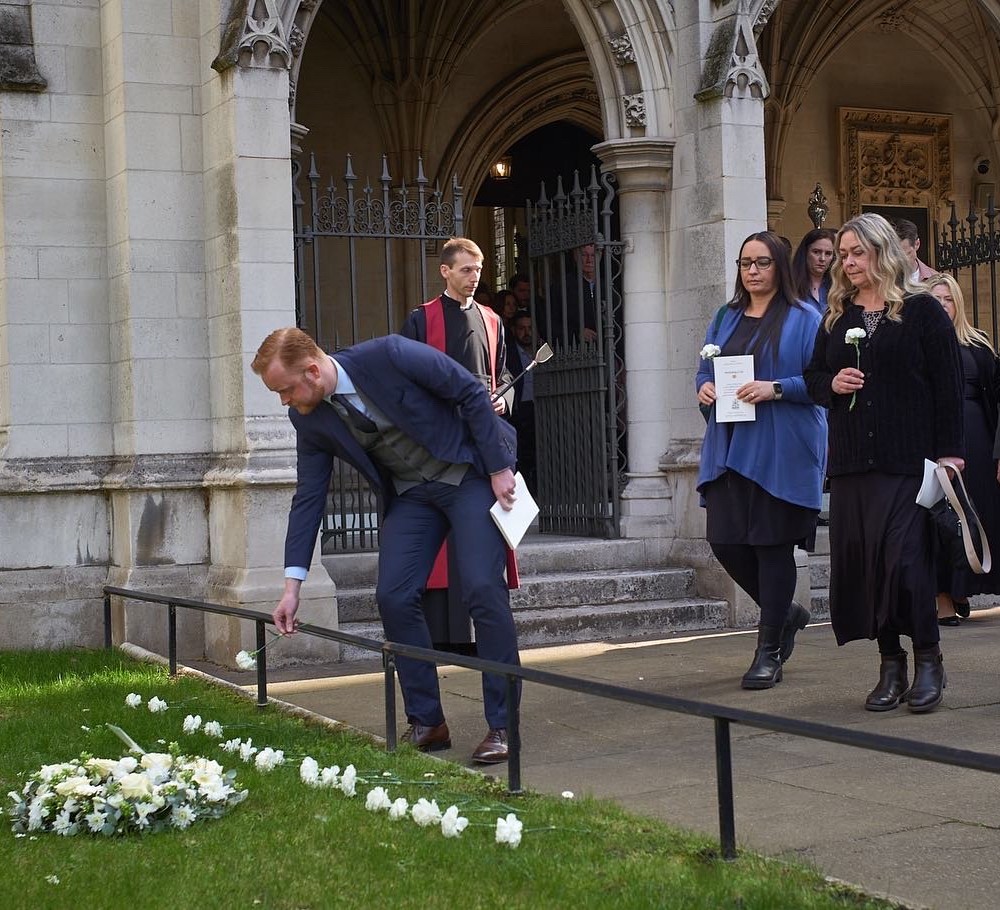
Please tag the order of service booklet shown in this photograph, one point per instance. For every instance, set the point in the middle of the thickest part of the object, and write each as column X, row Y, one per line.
column 514, row 523
column 730, row 374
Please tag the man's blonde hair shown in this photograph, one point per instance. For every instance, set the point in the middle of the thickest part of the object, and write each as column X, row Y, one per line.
column 456, row 245
column 291, row 346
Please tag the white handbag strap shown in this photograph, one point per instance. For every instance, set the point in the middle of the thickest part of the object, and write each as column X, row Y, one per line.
column 941, row 472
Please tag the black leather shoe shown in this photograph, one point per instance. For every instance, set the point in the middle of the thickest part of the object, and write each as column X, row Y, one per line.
column 952, row 620
column 798, row 618
column 493, row 749
column 428, row 739
column 765, row 671
column 892, row 684
column 929, row 680
column 962, row 608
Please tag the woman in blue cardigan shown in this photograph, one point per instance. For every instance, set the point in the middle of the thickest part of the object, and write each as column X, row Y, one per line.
column 761, row 480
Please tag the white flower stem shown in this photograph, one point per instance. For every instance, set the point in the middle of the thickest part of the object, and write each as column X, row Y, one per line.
column 133, row 746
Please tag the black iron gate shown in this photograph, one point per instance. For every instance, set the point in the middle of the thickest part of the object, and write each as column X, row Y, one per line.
column 970, row 250
column 361, row 263
column 575, row 272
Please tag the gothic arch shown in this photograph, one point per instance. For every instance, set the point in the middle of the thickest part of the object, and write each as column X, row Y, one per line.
column 560, row 89
column 628, row 44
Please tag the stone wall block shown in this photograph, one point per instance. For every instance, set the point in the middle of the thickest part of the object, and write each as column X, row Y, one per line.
column 255, row 133
column 158, row 393
column 54, row 212
column 159, row 99
column 151, row 17
column 151, row 296
column 191, row 143
column 153, row 142
column 25, row 343
column 54, row 529
column 163, row 205
column 168, row 338
column 34, row 106
column 34, row 441
column 164, row 255
column 262, row 186
column 37, row 301
column 190, row 295
column 67, row 26
column 83, row 70
column 160, row 59
column 87, row 109
column 22, row 262
column 79, row 343
column 61, row 393
column 90, row 438
column 71, row 262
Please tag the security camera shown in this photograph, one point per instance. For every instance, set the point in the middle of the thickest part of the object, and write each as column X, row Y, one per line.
column 983, row 165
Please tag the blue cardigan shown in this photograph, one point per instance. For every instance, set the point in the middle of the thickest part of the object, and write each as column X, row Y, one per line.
column 784, row 449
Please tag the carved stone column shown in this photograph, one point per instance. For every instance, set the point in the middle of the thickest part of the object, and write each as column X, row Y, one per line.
column 643, row 168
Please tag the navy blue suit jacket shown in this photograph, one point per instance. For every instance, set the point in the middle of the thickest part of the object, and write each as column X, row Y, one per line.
column 424, row 393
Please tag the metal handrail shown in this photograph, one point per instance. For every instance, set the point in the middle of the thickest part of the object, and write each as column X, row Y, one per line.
column 721, row 715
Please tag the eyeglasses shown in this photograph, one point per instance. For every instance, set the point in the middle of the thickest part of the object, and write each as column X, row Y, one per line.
column 763, row 263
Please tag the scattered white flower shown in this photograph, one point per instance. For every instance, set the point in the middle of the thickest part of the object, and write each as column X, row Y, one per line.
column 453, row 824
column 133, row 700
column 709, row 351
column 212, row 728
column 387, row 774
column 509, row 830
column 377, row 800
column 52, row 879
column 85, row 728
column 426, row 813
column 268, row 759
column 248, row 750
column 245, row 661
column 309, row 771
column 429, row 774
column 567, row 794
column 330, row 777
column 192, row 723
column 156, row 705
column 231, row 745
column 348, row 781
column 398, row 809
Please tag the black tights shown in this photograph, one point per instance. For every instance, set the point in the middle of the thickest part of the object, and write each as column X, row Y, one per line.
column 767, row 574
column 890, row 645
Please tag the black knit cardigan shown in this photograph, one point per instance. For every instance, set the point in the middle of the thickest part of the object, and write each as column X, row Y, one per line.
column 911, row 405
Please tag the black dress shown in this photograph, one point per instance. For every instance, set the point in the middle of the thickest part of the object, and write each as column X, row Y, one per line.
column 739, row 511
column 980, row 474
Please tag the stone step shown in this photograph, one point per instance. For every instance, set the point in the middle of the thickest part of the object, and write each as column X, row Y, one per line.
column 561, row 625
column 544, row 591
column 819, row 571
column 538, row 553
column 820, row 604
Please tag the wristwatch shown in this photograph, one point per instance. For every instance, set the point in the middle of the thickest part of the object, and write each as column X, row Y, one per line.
column 778, row 391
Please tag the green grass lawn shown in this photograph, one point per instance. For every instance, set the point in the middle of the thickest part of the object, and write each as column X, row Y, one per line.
column 291, row 846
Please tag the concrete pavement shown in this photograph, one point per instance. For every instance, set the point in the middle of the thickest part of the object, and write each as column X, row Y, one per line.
column 926, row 834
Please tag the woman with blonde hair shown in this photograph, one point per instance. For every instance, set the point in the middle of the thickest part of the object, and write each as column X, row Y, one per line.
column 982, row 379
column 886, row 364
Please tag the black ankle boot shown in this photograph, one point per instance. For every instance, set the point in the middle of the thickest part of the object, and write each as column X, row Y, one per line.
column 798, row 618
column 765, row 670
column 892, row 684
column 929, row 680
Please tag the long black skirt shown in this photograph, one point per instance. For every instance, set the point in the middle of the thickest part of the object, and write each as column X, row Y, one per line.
column 739, row 511
column 980, row 476
column 882, row 574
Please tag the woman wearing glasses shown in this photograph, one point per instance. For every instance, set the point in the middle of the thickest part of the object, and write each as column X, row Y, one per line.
column 887, row 366
column 761, row 479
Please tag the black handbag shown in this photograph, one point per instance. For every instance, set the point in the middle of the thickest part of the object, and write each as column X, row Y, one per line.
column 960, row 533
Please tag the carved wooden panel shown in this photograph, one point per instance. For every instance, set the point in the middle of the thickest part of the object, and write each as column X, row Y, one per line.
column 894, row 158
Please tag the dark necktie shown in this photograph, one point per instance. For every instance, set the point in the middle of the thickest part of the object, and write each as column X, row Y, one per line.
column 357, row 419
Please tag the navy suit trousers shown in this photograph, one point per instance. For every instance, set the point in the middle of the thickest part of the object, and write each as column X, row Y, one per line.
column 413, row 529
